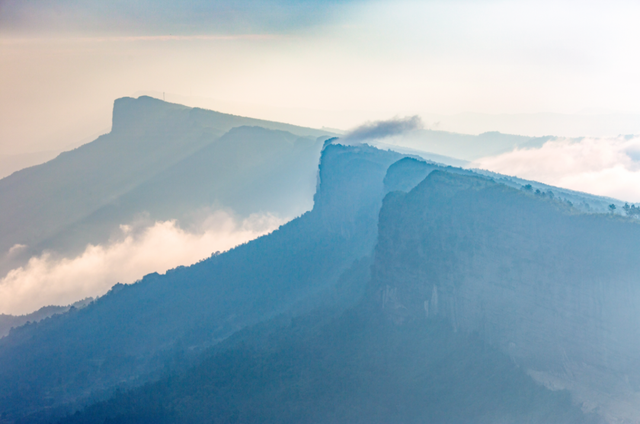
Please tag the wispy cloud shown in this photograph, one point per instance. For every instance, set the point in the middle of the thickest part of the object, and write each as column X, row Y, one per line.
column 147, row 16
column 47, row 280
column 601, row 166
column 138, row 38
column 383, row 129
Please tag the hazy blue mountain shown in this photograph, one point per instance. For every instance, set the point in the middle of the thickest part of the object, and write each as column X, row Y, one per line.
column 134, row 331
column 162, row 159
column 408, row 172
column 554, row 289
column 356, row 367
column 472, row 287
column 15, row 162
column 423, row 154
column 247, row 170
column 467, row 147
column 590, row 122
column 476, row 289
column 485, row 303
column 7, row 322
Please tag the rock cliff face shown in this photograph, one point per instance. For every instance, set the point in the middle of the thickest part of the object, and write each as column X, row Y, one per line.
column 130, row 333
column 556, row 290
column 395, row 357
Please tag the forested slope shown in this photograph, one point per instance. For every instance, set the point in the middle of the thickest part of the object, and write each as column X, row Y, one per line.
column 125, row 336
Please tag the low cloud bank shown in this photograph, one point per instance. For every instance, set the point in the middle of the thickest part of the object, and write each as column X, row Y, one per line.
column 383, row 129
column 601, row 166
column 47, row 280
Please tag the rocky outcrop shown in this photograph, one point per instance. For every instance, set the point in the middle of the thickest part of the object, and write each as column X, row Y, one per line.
column 556, row 290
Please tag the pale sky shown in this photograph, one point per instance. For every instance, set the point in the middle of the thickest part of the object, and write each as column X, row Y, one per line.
column 333, row 64
column 564, row 68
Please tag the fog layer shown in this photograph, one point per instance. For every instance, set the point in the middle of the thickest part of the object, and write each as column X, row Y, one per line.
column 48, row 279
column 601, row 166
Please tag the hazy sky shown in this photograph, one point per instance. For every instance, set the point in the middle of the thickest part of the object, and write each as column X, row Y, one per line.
column 316, row 63
column 468, row 66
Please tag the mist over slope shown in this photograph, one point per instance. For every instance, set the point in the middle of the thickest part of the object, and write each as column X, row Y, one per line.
column 603, row 166
column 161, row 162
column 7, row 322
column 353, row 322
column 190, row 178
column 489, row 277
column 484, row 303
column 144, row 326
column 148, row 137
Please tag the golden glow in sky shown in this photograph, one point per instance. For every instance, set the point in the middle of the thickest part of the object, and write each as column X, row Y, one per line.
column 315, row 64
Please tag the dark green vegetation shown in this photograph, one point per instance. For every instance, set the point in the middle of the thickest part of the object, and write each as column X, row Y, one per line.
column 163, row 160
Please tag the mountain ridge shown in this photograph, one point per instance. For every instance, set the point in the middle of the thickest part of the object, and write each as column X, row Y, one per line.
column 403, row 354
column 57, row 205
column 521, row 271
column 199, row 305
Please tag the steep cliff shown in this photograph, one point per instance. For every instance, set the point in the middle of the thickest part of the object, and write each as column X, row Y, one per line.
column 402, row 354
column 136, row 330
column 554, row 289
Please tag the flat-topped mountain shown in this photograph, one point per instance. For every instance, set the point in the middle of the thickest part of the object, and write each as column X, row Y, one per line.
column 164, row 160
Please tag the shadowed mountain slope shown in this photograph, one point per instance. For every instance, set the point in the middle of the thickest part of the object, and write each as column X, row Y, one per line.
column 85, row 194
column 357, row 367
column 485, row 304
column 427, row 344
column 408, row 172
column 7, row 322
column 554, row 289
column 247, row 170
column 476, row 290
column 125, row 336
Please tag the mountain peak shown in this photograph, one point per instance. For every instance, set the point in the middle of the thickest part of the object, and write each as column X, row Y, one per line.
column 129, row 112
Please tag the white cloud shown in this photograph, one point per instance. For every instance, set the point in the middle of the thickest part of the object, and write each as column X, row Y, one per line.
column 601, row 166
column 47, row 280
column 16, row 249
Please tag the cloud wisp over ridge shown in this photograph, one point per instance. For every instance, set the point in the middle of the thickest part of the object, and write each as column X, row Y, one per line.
column 50, row 280
column 383, row 129
column 600, row 166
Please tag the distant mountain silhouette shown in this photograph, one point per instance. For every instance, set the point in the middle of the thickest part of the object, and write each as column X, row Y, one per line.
column 467, row 147
column 7, row 322
column 163, row 159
